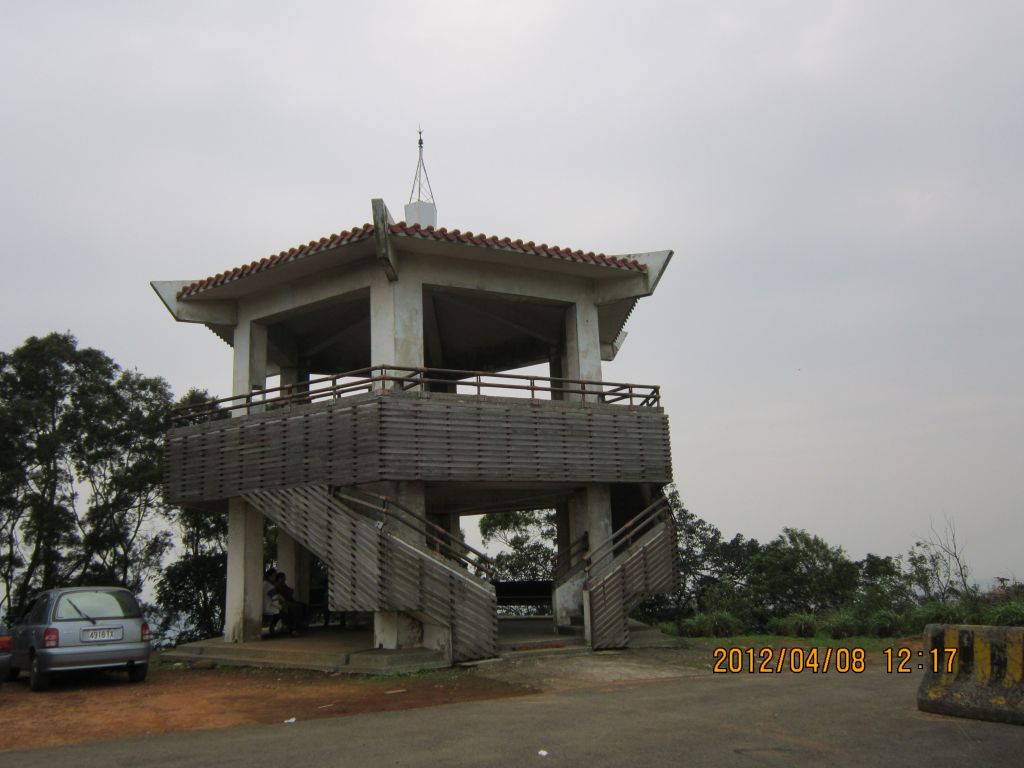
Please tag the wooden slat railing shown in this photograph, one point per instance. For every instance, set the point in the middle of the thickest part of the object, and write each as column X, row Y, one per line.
column 437, row 538
column 382, row 378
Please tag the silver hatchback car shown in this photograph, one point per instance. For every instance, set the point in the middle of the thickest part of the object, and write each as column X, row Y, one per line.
column 80, row 628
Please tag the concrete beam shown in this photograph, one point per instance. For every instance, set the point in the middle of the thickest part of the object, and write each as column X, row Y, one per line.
column 214, row 312
column 382, row 222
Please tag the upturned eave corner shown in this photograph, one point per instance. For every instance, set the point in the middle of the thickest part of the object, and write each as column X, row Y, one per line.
column 219, row 312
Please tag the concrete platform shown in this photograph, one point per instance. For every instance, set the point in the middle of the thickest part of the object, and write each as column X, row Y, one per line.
column 534, row 633
column 323, row 649
column 351, row 651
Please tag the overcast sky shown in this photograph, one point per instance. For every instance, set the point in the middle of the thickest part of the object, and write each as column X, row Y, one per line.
column 839, row 337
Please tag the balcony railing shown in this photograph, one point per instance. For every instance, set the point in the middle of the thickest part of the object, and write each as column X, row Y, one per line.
column 385, row 378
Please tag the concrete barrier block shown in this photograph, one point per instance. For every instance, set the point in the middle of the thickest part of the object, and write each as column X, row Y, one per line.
column 973, row 671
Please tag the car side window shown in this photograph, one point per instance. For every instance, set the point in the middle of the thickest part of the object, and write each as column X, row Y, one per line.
column 37, row 614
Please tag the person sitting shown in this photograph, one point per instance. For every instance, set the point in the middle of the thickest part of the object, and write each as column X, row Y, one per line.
column 275, row 607
column 296, row 609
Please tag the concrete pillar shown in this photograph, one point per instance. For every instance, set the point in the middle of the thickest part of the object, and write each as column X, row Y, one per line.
column 250, row 361
column 562, row 538
column 590, row 511
column 396, row 321
column 393, row 629
column 243, row 610
column 582, row 345
column 556, row 368
column 303, row 566
column 396, row 338
column 287, row 556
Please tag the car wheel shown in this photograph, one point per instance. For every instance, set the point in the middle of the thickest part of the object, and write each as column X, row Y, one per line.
column 12, row 674
column 37, row 679
column 137, row 672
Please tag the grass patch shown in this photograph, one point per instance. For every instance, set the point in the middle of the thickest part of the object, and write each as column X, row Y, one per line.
column 869, row 644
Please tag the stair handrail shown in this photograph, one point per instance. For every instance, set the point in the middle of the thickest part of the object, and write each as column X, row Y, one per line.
column 637, row 526
column 434, row 535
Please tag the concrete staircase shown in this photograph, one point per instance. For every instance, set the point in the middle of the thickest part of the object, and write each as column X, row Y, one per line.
column 638, row 560
column 372, row 567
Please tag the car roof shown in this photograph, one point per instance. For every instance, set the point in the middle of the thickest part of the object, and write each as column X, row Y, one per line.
column 72, row 590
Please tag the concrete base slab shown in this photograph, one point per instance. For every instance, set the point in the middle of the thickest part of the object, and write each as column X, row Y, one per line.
column 395, row 662
column 323, row 650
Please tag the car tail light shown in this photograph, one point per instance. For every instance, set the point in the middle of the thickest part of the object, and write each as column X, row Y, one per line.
column 51, row 638
column 145, row 632
column 5, row 643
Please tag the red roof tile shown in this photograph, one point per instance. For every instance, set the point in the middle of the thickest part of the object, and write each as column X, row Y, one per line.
column 402, row 229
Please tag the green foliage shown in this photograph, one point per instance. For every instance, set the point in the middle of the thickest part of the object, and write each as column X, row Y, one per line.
column 842, row 623
column 1005, row 614
column 528, row 543
column 794, row 625
column 714, row 624
column 80, row 445
column 938, row 612
column 885, row 622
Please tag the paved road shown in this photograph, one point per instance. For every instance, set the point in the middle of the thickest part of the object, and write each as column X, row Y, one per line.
column 697, row 720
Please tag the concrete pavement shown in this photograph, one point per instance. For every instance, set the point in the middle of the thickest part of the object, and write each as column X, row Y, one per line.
column 694, row 720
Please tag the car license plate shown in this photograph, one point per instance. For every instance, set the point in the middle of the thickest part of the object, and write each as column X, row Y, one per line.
column 100, row 634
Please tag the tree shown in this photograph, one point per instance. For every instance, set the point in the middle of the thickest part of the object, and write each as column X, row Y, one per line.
column 798, row 572
column 71, row 422
column 191, row 590
column 529, row 542
column 938, row 568
column 699, row 544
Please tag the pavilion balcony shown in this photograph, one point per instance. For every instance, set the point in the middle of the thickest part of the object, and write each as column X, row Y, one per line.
column 390, row 423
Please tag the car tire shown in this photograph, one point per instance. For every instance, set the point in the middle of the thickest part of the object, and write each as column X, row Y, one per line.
column 37, row 679
column 137, row 672
column 12, row 674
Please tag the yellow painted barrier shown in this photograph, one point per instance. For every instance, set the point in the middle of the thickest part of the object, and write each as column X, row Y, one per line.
column 973, row 671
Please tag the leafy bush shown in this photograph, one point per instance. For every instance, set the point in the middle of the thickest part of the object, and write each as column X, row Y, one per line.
column 841, row 623
column 885, row 623
column 1008, row 614
column 937, row 612
column 794, row 625
column 804, row 624
column 713, row 624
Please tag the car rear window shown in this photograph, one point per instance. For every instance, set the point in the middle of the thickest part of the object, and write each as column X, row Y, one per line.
column 96, row 605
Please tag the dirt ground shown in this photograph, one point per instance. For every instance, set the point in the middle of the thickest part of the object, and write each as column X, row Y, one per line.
column 97, row 706
column 90, row 707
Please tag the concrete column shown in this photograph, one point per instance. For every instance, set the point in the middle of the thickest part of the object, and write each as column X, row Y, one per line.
column 287, row 556
column 250, row 368
column 589, row 511
column 396, row 320
column 243, row 612
column 582, row 344
column 556, row 367
column 396, row 338
column 303, row 566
